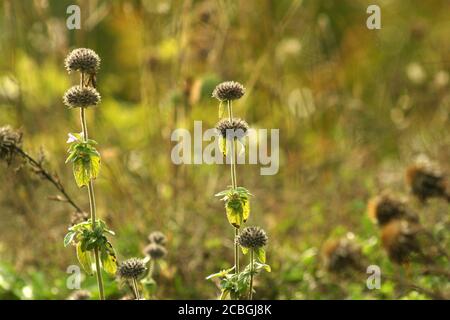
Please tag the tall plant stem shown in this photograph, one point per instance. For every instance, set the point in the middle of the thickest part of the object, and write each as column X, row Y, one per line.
column 136, row 290
column 234, row 184
column 250, row 294
column 92, row 206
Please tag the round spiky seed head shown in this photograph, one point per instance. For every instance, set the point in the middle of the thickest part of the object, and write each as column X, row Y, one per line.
column 426, row 182
column 236, row 128
column 340, row 255
column 229, row 90
column 79, row 295
column 81, row 97
column 133, row 268
column 83, row 60
column 155, row 251
column 384, row 208
column 252, row 238
column 10, row 140
column 157, row 237
column 399, row 239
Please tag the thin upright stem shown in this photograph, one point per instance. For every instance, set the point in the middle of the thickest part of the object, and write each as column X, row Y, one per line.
column 92, row 206
column 136, row 289
column 234, row 185
column 251, row 274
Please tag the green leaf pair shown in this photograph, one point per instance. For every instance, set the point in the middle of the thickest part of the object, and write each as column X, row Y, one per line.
column 87, row 240
column 237, row 205
column 259, row 252
column 85, row 159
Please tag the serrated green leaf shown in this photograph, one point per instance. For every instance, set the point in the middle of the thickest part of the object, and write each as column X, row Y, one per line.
column 84, row 257
column 245, row 209
column 234, row 216
column 109, row 260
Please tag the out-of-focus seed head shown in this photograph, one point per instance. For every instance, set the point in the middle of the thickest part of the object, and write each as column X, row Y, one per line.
column 78, row 217
column 252, row 238
column 426, row 181
column 399, row 239
column 384, row 208
column 157, row 237
column 133, row 268
column 81, row 97
column 229, row 90
column 10, row 140
column 236, row 128
column 83, row 60
column 79, row 295
column 341, row 255
column 155, row 251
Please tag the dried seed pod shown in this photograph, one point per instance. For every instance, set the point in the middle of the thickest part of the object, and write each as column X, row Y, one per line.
column 83, row 60
column 384, row 208
column 340, row 255
column 155, row 251
column 229, row 90
column 81, row 97
column 252, row 238
column 157, row 237
column 236, row 128
column 426, row 182
column 10, row 140
column 133, row 268
column 399, row 239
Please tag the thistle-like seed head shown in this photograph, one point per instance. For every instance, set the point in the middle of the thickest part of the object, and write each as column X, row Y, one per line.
column 229, row 90
column 83, row 60
column 133, row 268
column 81, row 97
column 155, row 251
column 399, row 239
column 384, row 208
column 157, row 237
column 426, row 181
column 10, row 139
column 252, row 238
column 236, row 128
column 343, row 254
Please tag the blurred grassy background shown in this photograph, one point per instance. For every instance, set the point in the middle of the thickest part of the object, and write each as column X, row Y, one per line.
column 353, row 106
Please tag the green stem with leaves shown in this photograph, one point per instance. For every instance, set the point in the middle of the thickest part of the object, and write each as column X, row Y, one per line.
column 234, row 184
column 92, row 206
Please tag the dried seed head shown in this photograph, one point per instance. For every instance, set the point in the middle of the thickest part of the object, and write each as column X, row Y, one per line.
column 227, row 91
column 399, row 239
column 236, row 128
column 133, row 268
column 83, row 60
column 155, row 251
column 384, row 208
column 81, row 97
column 252, row 238
column 10, row 140
column 157, row 237
column 340, row 255
column 79, row 295
column 426, row 181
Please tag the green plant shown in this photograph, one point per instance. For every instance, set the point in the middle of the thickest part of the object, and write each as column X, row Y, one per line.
column 89, row 236
column 236, row 284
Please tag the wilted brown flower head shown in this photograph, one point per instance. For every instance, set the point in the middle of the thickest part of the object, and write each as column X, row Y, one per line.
column 236, row 128
column 252, row 238
column 83, row 60
column 157, row 237
column 133, row 268
column 229, row 90
column 340, row 255
column 384, row 208
column 10, row 140
column 399, row 239
column 81, row 97
column 426, row 182
column 155, row 251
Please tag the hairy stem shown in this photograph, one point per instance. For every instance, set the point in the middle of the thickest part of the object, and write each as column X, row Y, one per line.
column 92, row 206
column 136, row 289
